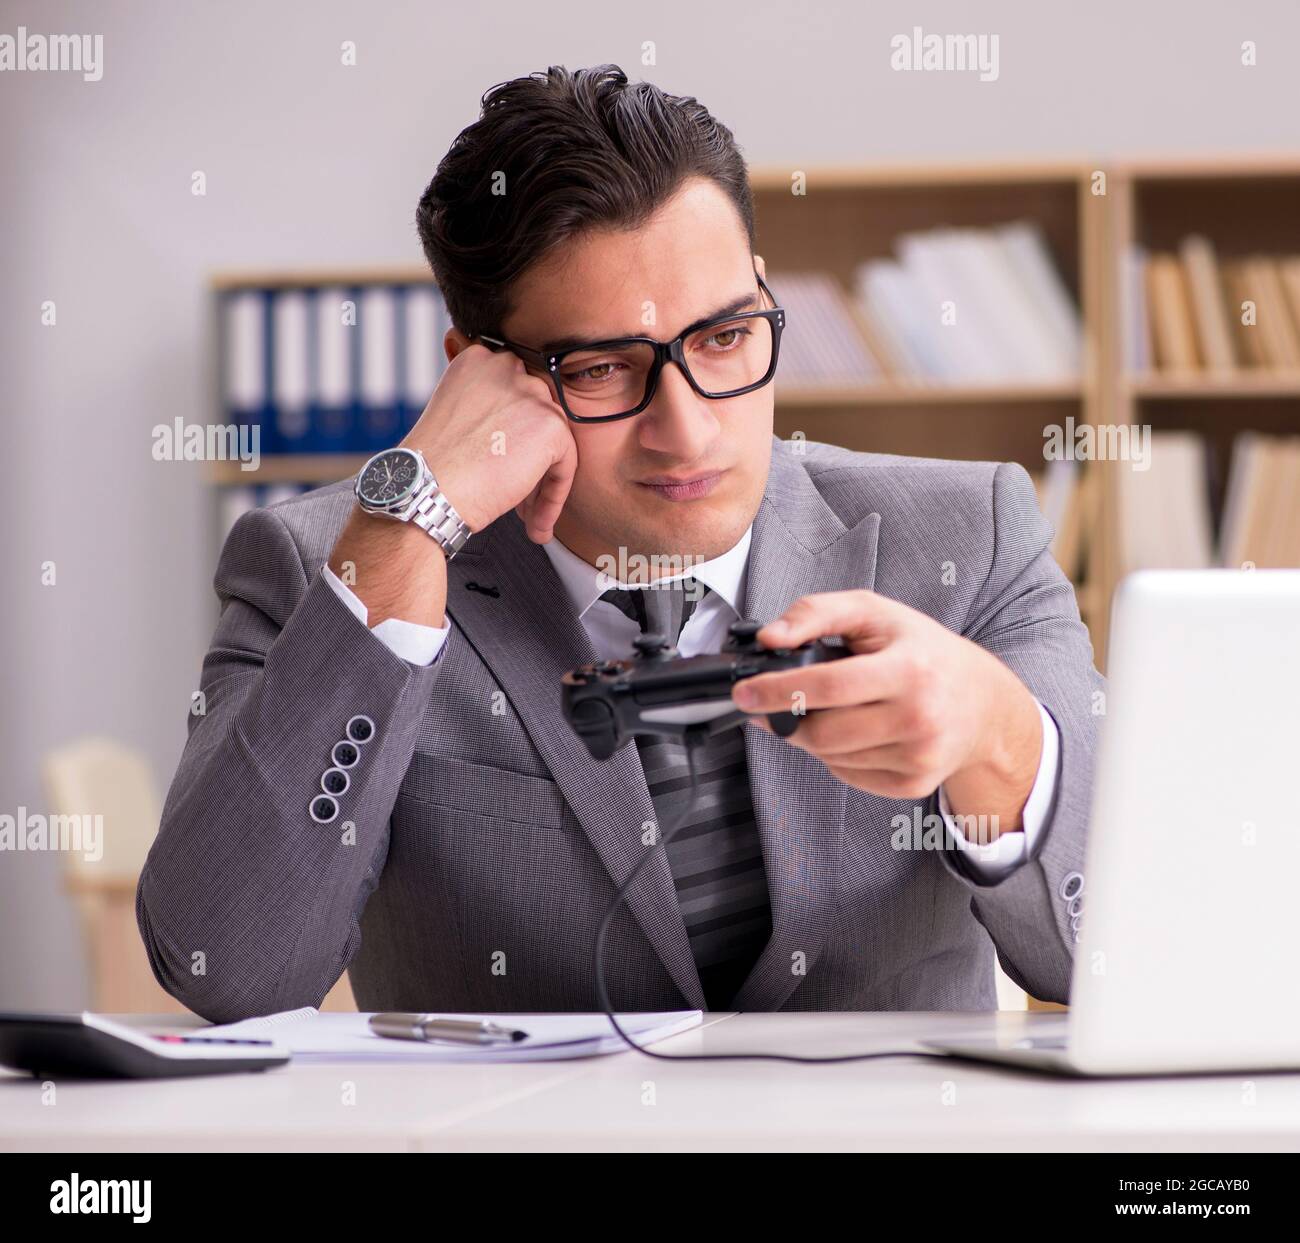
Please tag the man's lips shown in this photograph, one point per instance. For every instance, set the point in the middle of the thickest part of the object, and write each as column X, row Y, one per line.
column 683, row 487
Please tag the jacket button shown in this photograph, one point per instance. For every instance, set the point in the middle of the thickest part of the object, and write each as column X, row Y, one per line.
column 360, row 729
column 345, row 754
column 1072, row 885
column 323, row 809
column 335, row 781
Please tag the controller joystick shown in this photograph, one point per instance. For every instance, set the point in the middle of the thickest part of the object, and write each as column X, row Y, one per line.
column 651, row 646
column 742, row 634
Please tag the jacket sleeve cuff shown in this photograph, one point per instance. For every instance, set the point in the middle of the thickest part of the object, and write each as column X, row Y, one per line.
column 1001, row 857
column 413, row 643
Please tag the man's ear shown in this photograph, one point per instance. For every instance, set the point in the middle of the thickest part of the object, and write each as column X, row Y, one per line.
column 454, row 342
column 761, row 266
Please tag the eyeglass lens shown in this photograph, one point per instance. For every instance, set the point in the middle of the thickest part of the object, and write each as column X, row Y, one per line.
column 721, row 358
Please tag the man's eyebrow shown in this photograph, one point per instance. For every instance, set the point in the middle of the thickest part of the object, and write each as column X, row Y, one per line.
column 744, row 302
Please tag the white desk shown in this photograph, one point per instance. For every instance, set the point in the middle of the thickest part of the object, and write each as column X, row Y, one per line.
column 627, row 1102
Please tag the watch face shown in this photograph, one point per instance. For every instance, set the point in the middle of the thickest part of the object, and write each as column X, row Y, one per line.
column 389, row 478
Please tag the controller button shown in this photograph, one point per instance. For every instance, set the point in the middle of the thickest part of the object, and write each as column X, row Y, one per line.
column 607, row 667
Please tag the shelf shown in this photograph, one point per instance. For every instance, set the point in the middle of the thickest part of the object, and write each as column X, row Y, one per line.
column 1194, row 385
column 290, row 468
column 313, row 278
column 851, row 213
column 1257, row 166
column 770, row 179
column 892, row 394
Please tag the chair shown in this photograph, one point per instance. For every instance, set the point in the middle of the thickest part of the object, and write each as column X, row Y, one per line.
column 101, row 777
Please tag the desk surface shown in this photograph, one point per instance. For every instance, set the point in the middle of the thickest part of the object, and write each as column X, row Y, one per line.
column 626, row 1102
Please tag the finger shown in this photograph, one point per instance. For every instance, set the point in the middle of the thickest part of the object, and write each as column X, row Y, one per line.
column 525, row 511
column 551, row 494
column 847, row 732
column 849, row 681
column 884, row 783
column 865, row 619
column 552, row 491
column 900, row 758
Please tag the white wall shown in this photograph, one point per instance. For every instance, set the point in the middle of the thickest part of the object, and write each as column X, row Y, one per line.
column 311, row 163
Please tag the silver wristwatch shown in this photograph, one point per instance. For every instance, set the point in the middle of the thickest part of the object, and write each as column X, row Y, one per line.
column 398, row 483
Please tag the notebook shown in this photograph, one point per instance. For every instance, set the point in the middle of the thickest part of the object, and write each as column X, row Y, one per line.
column 312, row 1036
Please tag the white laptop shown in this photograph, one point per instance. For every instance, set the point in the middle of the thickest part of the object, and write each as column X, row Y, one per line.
column 1188, row 957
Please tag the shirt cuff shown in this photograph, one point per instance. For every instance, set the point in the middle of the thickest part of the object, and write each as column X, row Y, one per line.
column 412, row 642
column 1005, row 854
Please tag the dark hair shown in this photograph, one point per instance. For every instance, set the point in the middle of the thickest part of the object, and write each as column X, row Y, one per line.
column 578, row 150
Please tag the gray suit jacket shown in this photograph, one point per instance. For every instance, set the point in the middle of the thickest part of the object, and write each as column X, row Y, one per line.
column 487, row 843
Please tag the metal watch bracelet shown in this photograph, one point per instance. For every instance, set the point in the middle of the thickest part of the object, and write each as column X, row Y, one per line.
column 437, row 515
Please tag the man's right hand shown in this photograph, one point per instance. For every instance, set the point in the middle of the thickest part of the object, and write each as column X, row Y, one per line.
column 496, row 439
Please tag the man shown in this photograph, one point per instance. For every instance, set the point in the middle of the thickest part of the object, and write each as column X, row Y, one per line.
column 383, row 782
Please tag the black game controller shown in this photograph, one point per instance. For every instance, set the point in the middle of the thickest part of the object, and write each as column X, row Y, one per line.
column 659, row 692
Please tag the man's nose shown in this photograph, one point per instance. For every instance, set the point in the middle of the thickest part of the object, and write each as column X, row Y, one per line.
column 678, row 421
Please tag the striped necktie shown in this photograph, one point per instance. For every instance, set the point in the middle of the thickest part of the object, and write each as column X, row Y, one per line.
column 716, row 858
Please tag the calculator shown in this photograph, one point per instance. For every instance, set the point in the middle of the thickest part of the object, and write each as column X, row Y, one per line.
column 89, row 1046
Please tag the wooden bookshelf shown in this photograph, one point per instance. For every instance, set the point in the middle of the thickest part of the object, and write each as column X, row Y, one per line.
column 1244, row 206
column 850, row 213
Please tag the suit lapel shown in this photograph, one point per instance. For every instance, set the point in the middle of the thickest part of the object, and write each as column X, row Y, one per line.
column 528, row 636
column 799, row 547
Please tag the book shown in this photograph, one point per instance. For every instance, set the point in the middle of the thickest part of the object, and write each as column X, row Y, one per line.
column 1060, row 497
column 1163, row 513
column 423, row 355
column 891, row 294
column 1026, row 250
column 290, row 370
column 380, row 422
column 971, row 306
column 1173, row 331
column 1031, row 349
column 1289, row 271
column 1135, row 320
column 1209, row 312
column 1243, row 313
column 821, row 343
column 951, row 311
column 332, row 408
column 1277, row 333
column 245, row 361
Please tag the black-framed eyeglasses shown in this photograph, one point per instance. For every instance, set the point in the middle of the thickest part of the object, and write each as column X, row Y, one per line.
column 615, row 379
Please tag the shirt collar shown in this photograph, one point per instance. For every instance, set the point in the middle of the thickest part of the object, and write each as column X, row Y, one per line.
column 724, row 574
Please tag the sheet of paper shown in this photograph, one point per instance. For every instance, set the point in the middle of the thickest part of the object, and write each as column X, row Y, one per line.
column 345, row 1037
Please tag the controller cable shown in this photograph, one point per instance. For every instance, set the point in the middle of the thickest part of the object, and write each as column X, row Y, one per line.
column 693, row 738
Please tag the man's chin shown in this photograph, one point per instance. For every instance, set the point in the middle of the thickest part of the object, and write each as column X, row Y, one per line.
column 700, row 533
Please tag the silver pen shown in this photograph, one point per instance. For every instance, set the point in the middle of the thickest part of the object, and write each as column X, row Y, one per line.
column 433, row 1027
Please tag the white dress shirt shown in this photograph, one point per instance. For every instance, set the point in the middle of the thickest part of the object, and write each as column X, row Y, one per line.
column 611, row 632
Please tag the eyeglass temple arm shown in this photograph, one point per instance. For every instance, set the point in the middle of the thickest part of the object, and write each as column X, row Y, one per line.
column 523, row 351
